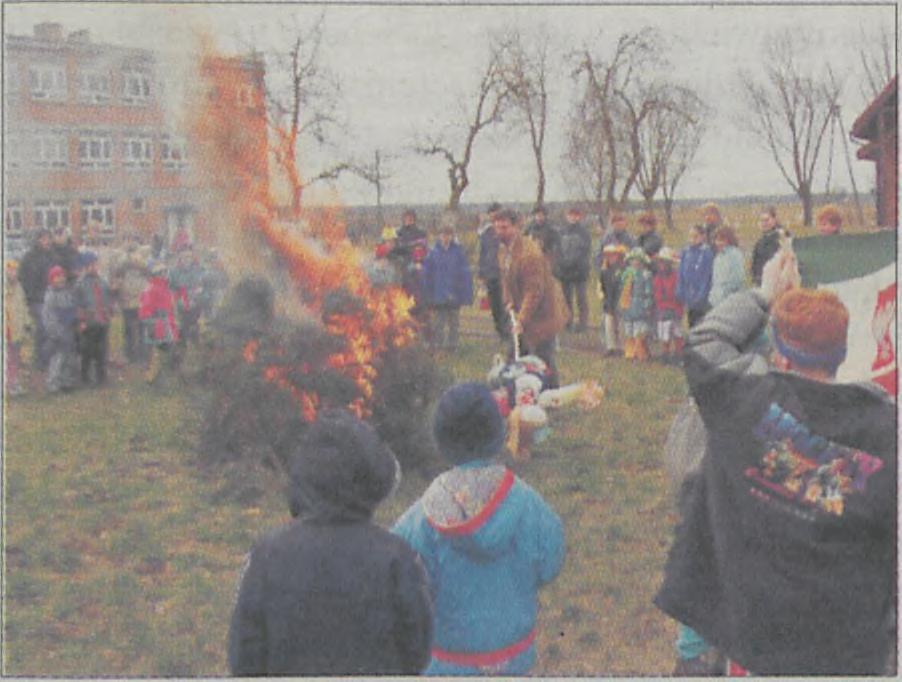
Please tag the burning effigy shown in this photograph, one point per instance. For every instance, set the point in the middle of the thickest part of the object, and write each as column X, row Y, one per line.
column 307, row 328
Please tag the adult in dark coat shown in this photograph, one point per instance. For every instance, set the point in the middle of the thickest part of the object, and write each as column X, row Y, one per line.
column 331, row 593
column 572, row 265
column 33, row 271
column 490, row 274
column 544, row 233
column 65, row 254
column 409, row 252
column 768, row 243
column 649, row 239
column 786, row 557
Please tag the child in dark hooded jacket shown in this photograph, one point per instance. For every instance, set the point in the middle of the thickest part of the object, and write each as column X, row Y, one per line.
column 331, row 593
column 489, row 542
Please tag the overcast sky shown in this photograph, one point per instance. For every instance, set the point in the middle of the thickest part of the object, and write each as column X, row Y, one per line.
column 403, row 71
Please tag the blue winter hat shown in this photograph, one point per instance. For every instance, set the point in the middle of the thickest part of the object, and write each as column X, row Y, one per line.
column 86, row 258
column 467, row 423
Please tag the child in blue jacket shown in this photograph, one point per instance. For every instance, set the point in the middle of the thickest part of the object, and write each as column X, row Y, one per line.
column 447, row 285
column 488, row 542
column 694, row 278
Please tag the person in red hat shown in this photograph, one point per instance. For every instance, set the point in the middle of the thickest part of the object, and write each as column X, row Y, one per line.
column 59, row 318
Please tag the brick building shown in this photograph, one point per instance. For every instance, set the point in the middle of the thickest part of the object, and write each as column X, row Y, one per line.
column 87, row 143
column 877, row 128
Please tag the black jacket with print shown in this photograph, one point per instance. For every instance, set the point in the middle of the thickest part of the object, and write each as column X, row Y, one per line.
column 785, row 558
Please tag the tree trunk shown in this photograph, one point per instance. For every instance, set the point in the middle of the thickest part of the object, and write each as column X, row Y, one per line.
column 454, row 199
column 668, row 212
column 540, row 187
column 805, row 195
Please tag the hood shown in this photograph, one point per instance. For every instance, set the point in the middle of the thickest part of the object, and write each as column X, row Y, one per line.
column 471, row 507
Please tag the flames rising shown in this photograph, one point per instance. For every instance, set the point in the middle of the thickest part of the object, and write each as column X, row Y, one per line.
column 229, row 130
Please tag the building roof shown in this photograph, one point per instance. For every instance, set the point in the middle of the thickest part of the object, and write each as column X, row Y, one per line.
column 865, row 126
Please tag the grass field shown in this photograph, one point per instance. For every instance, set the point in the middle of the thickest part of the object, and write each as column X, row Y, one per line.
column 122, row 555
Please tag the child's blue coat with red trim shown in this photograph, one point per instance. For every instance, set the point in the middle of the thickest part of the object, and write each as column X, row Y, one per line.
column 489, row 542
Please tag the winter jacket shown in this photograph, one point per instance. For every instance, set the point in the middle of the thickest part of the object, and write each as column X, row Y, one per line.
column 574, row 251
column 33, row 273
column 59, row 316
column 488, row 254
column 489, row 542
column 623, row 237
column 765, row 248
column 694, row 279
column 409, row 253
column 610, row 287
column 132, row 277
column 92, row 297
column 446, row 276
column 15, row 309
column 157, row 312
column 786, row 556
column 727, row 274
column 637, row 297
column 66, row 256
column 651, row 243
column 546, row 236
column 667, row 307
column 529, row 287
column 331, row 593
column 185, row 281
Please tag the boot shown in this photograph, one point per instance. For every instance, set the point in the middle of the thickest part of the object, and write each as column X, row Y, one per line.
column 642, row 348
column 154, row 366
column 628, row 348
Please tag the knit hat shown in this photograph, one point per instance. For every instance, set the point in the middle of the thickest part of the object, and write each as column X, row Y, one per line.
column 666, row 253
column 86, row 258
column 467, row 424
column 639, row 254
column 809, row 327
column 55, row 272
column 341, row 470
column 389, row 232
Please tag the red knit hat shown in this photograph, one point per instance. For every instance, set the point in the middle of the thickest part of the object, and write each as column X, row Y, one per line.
column 813, row 322
column 55, row 272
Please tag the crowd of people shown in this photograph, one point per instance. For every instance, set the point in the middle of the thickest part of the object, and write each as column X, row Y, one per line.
column 62, row 299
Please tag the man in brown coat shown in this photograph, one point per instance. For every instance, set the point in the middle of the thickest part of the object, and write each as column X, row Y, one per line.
column 530, row 291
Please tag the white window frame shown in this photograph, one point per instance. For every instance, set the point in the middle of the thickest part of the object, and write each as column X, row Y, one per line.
column 173, row 152
column 50, row 149
column 102, row 212
column 48, row 82
column 142, row 91
column 50, row 214
column 94, row 86
column 137, row 151
column 14, row 219
column 95, row 149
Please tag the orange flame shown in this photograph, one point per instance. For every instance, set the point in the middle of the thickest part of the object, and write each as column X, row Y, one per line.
column 229, row 129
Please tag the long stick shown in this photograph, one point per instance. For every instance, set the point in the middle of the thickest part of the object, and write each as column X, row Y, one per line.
column 516, row 336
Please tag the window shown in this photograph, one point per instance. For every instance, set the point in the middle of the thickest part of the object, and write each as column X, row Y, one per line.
column 48, row 82
column 95, row 150
column 139, row 205
column 51, row 214
column 51, row 149
column 245, row 96
column 97, row 217
column 173, row 152
column 94, row 86
column 15, row 219
column 137, row 152
column 14, row 149
column 11, row 81
column 135, row 87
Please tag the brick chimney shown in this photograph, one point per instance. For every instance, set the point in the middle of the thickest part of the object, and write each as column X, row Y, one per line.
column 49, row 31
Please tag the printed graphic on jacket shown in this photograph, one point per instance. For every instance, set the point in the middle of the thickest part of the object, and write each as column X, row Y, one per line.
column 807, row 469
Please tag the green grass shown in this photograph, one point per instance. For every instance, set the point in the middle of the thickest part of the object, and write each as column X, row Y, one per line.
column 122, row 556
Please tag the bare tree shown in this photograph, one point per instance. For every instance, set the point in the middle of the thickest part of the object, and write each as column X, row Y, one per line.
column 377, row 175
column 303, row 98
column 524, row 72
column 616, row 96
column 878, row 62
column 669, row 138
column 790, row 110
column 490, row 101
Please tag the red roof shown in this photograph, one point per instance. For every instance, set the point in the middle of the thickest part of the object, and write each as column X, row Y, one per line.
column 864, row 128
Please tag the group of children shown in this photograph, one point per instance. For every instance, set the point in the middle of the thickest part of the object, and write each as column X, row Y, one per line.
column 452, row 590
column 641, row 293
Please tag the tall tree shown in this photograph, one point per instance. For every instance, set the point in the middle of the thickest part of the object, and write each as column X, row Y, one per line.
column 617, row 93
column 688, row 130
column 485, row 109
column 790, row 109
column 524, row 73
column 878, row 61
column 377, row 174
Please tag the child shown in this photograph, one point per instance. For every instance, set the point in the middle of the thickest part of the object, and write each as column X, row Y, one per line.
column 829, row 220
column 610, row 269
column 447, row 285
column 17, row 329
column 331, row 593
column 92, row 298
column 157, row 313
column 694, row 278
column 636, row 303
column 488, row 540
column 59, row 317
column 668, row 310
